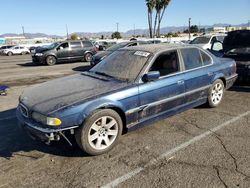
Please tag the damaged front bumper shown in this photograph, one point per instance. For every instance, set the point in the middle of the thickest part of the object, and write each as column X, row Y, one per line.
column 38, row 132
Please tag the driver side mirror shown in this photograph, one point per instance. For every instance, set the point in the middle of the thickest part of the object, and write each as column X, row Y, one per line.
column 59, row 48
column 151, row 76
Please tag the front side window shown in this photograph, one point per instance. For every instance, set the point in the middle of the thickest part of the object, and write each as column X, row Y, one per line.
column 167, row 63
column 192, row 58
column 63, row 45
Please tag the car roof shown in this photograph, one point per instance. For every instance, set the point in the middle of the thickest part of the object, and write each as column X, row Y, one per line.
column 154, row 48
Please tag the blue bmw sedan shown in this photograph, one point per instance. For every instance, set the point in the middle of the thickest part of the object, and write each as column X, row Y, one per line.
column 130, row 88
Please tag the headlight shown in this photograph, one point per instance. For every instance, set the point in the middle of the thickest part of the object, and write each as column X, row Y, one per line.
column 46, row 120
column 38, row 54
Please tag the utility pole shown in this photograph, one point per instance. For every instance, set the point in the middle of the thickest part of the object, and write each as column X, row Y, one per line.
column 189, row 25
column 67, row 31
column 23, row 30
column 134, row 30
column 117, row 27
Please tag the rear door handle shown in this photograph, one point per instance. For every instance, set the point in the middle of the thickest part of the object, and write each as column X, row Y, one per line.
column 180, row 82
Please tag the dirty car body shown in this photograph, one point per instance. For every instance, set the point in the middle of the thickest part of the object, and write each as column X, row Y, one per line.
column 129, row 82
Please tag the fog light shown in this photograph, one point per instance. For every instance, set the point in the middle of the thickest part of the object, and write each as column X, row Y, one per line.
column 53, row 121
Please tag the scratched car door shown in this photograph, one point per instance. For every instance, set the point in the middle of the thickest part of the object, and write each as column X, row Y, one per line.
column 166, row 93
column 198, row 73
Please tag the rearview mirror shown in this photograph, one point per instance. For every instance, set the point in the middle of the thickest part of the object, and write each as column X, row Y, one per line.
column 151, row 76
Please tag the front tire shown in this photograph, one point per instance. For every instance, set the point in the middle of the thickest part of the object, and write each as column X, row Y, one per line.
column 100, row 132
column 216, row 93
column 9, row 53
column 51, row 60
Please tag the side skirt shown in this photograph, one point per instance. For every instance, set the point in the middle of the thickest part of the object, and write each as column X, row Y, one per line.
column 166, row 114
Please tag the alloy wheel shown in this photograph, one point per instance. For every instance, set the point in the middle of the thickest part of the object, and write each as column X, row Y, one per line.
column 103, row 133
column 217, row 93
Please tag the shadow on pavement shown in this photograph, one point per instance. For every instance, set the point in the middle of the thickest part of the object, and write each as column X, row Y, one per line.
column 13, row 140
column 82, row 68
column 29, row 64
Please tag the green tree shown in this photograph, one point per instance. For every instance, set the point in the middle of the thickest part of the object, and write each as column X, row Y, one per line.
column 150, row 5
column 116, row 35
column 74, row 37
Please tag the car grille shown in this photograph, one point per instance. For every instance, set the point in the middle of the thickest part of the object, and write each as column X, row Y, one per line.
column 24, row 110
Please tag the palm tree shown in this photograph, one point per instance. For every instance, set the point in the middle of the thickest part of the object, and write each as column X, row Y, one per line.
column 160, row 12
column 150, row 6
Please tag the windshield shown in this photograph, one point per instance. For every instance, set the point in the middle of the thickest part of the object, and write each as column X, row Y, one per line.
column 51, row 46
column 123, row 64
column 117, row 46
column 201, row 40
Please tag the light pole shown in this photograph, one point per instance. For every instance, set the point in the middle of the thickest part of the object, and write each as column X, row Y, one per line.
column 189, row 25
column 23, row 30
column 67, row 32
column 117, row 27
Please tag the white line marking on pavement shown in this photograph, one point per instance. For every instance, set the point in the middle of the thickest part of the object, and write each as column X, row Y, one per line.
column 7, row 118
column 169, row 153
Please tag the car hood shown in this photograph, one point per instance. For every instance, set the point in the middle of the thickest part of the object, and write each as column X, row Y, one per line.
column 59, row 93
column 101, row 54
column 41, row 50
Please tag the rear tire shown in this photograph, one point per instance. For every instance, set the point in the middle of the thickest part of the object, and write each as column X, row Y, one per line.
column 216, row 93
column 100, row 132
column 51, row 60
column 88, row 57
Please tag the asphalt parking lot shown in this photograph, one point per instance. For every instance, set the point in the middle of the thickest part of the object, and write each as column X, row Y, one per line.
column 201, row 147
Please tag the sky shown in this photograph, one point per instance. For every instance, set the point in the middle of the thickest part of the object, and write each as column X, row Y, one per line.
column 51, row 16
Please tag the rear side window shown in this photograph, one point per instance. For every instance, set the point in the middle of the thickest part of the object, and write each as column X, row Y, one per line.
column 87, row 44
column 75, row 44
column 192, row 58
column 205, row 58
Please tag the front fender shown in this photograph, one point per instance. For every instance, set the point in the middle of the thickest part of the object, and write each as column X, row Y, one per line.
column 76, row 115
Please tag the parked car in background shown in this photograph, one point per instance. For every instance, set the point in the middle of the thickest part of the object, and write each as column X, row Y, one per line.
column 2, row 48
column 130, row 88
column 236, row 45
column 64, row 51
column 206, row 41
column 103, row 54
column 16, row 50
column 103, row 45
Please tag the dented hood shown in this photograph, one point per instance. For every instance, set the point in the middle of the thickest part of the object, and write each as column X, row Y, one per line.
column 56, row 94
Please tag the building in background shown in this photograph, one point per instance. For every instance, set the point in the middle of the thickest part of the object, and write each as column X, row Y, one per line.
column 2, row 41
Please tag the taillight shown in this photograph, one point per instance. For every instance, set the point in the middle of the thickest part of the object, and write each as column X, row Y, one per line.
column 234, row 67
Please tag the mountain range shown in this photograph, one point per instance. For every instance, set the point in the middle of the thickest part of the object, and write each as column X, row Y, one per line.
column 128, row 33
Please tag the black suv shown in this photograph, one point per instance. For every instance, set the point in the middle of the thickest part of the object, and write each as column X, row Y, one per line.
column 64, row 51
column 236, row 45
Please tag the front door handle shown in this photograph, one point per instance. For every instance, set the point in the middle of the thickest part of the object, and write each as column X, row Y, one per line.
column 210, row 73
column 180, row 82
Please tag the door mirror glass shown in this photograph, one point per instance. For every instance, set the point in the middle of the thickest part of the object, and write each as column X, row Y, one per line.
column 217, row 46
column 151, row 76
